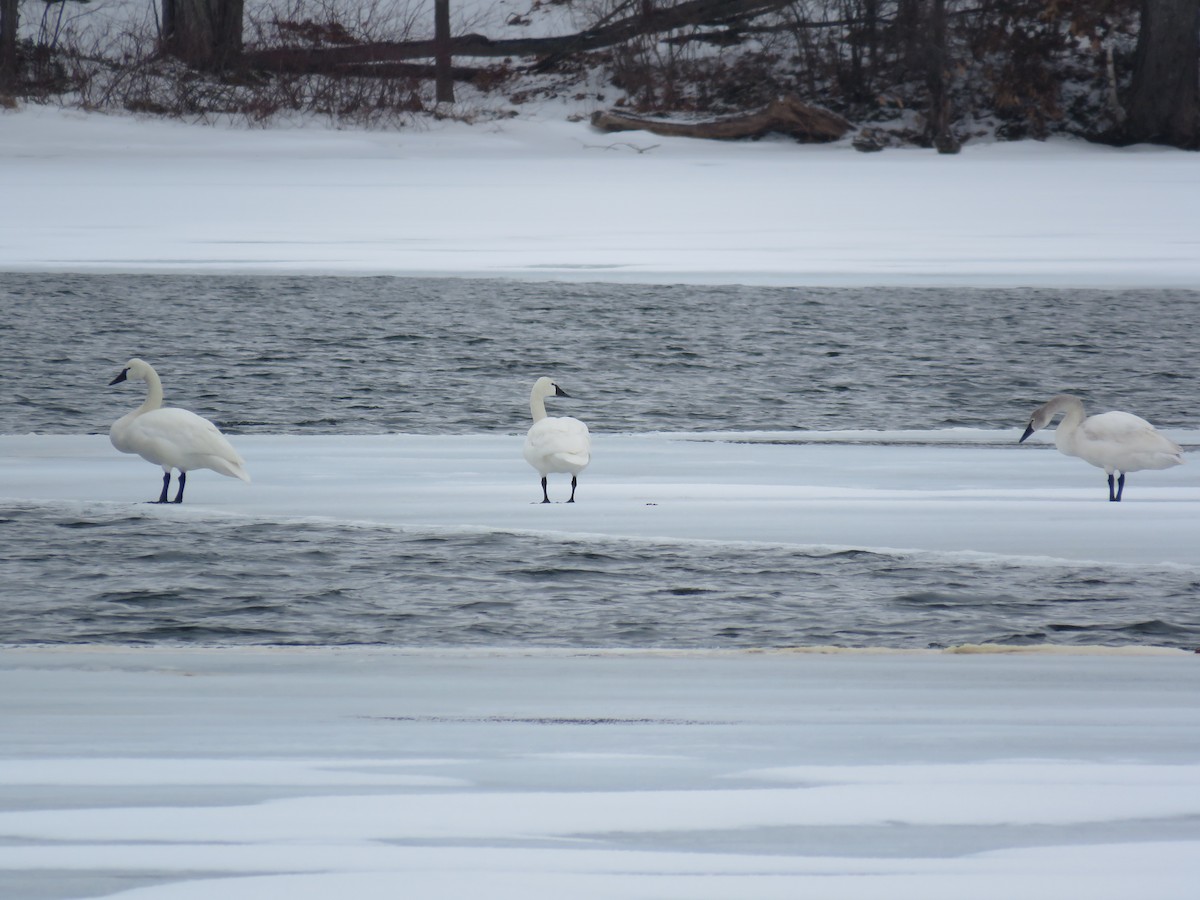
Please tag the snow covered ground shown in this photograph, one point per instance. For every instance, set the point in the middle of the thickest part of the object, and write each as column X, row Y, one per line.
column 167, row 774
column 549, row 198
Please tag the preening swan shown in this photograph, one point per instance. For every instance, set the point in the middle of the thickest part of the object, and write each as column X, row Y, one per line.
column 555, row 443
column 1113, row 441
column 172, row 438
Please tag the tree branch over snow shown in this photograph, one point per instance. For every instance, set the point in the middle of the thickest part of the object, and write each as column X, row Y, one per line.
column 549, row 49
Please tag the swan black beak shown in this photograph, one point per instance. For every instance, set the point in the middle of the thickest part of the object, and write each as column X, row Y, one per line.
column 559, row 392
column 119, row 378
column 1028, row 432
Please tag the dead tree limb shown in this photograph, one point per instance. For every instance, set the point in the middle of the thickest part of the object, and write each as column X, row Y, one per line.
column 788, row 116
column 547, row 49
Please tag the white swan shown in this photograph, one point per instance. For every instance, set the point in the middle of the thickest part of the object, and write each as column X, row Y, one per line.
column 172, row 438
column 1113, row 441
column 555, row 443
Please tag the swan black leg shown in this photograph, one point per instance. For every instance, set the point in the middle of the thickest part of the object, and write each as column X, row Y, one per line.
column 1112, row 495
column 162, row 498
column 545, row 493
column 182, row 482
column 1120, row 486
column 573, row 482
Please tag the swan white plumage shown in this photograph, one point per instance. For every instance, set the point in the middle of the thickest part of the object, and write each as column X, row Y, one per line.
column 555, row 443
column 170, row 437
column 1113, row 441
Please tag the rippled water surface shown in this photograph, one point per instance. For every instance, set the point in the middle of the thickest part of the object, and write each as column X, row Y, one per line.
column 373, row 355
column 119, row 577
column 376, row 355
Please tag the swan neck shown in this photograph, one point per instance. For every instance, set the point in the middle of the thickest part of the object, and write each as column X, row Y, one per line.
column 1067, row 431
column 537, row 407
column 1073, row 415
column 154, row 393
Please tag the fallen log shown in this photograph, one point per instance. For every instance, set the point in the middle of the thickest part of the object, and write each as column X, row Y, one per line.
column 788, row 116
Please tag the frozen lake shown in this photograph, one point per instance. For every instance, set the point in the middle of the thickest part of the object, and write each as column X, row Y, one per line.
column 167, row 774
column 842, row 463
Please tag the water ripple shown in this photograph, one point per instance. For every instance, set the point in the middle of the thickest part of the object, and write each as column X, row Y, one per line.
column 376, row 355
column 117, row 578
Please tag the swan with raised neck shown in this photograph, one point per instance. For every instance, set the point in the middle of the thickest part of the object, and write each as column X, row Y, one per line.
column 555, row 444
column 170, row 437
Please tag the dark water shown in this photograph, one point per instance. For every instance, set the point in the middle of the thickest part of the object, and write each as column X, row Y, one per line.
column 114, row 577
column 376, row 355
column 371, row 355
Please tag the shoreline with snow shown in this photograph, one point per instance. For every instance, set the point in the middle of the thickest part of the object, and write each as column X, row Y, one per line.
column 554, row 200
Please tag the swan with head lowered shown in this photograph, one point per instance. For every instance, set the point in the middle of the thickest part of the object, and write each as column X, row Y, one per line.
column 1113, row 441
column 555, row 444
column 170, row 437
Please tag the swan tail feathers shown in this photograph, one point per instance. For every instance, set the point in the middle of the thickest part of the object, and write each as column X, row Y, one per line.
column 232, row 468
column 1173, row 454
column 574, row 459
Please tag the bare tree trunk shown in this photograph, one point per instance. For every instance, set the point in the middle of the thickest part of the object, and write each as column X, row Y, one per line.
column 921, row 40
column 937, row 79
column 442, row 60
column 1162, row 106
column 230, row 26
column 206, row 34
column 8, row 41
column 909, row 27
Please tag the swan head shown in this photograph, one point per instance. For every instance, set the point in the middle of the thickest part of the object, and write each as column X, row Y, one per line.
column 1044, row 414
column 1039, row 420
column 545, row 387
column 134, row 370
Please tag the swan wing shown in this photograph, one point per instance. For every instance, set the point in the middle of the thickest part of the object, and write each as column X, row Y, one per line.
column 1116, row 426
column 1121, row 440
column 183, row 440
column 558, row 444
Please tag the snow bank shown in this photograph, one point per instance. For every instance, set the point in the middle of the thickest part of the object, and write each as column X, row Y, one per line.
column 529, row 198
